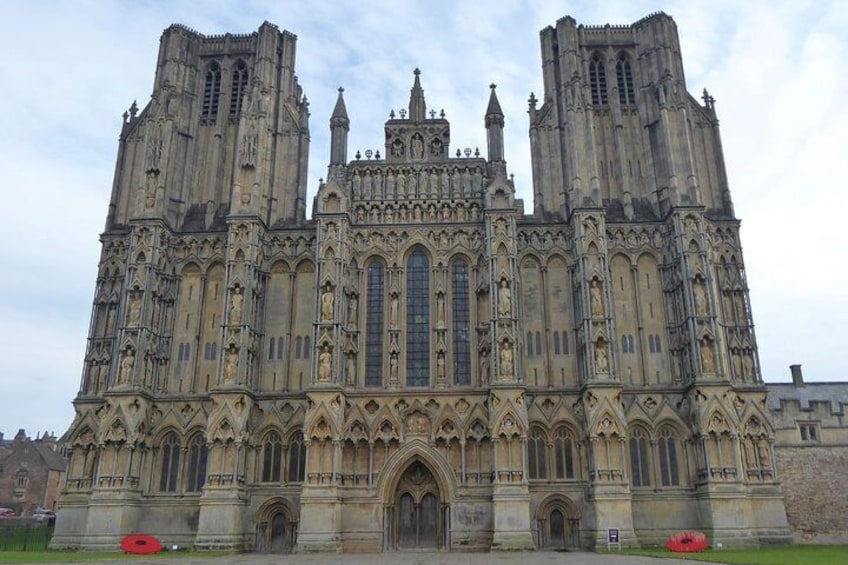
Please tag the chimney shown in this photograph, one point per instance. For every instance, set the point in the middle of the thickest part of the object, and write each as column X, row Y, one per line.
column 797, row 377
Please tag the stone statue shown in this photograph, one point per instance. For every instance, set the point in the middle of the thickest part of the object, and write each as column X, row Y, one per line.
column 596, row 298
column 707, row 356
column 750, row 454
column 134, row 309
column 325, row 364
column 327, row 299
column 351, row 368
column 763, row 453
column 700, row 297
column 440, row 310
column 352, row 310
column 506, row 359
column 127, row 362
column 231, row 367
column 504, row 300
column 236, row 305
column 440, row 366
column 393, row 367
column 484, row 366
column 417, row 147
column 393, row 310
column 601, row 357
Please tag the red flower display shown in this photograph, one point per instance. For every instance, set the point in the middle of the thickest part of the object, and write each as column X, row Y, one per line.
column 687, row 542
column 140, row 544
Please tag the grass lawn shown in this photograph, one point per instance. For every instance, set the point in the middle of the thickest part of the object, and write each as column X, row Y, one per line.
column 91, row 556
column 792, row 555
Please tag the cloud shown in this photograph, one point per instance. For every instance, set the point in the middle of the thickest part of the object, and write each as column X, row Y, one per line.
column 776, row 70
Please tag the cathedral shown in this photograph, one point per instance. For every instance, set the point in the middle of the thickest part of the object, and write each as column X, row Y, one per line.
column 423, row 363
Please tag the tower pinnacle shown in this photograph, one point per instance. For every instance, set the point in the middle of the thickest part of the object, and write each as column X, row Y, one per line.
column 417, row 106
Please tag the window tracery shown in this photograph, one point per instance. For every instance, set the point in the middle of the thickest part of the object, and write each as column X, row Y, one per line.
column 418, row 320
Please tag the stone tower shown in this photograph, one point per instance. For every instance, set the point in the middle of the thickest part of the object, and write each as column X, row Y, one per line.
column 422, row 365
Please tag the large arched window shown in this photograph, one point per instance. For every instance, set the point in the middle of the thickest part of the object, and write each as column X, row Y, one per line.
column 537, row 455
column 461, row 316
column 598, row 80
column 374, row 323
column 239, row 88
column 667, row 445
column 170, row 463
column 272, row 458
column 197, row 453
column 624, row 77
column 640, row 472
column 297, row 458
column 212, row 91
column 563, row 455
column 418, row 320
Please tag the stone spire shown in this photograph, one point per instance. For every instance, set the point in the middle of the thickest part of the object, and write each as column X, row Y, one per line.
column 494, row 127
column 417, row 106
column 339, row 126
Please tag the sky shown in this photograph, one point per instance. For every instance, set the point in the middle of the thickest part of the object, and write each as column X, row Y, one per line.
column 776, row 70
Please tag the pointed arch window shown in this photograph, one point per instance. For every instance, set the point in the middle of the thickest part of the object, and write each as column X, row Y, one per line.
column 240, row 77
column 418, row 320
column 197, row 455
column 374, row 323
column 563, row 454
column 272, row 458
column 537, row 455
column 640, row 472
column 598, row 80
column 297, row 458
column 667, row 445
column 170, row 463
column 461, row 317
column 211, row 91
column 624, row 78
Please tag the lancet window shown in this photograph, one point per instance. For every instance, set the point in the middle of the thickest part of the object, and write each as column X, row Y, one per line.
column 640, row 472
column 461, row 323
column 374, row 323
column 418, row 320
column 211, row 91
column 197, row 454
column 624, row 77
column 240, row 78
column 598, row 80
column 170, row 463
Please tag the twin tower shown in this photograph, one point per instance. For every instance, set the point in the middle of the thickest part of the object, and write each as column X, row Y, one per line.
column 421, row 365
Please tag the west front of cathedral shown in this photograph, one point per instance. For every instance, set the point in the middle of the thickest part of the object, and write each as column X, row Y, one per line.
column 421, row 365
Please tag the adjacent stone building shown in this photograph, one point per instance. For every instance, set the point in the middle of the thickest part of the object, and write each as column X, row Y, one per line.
column 32, row 472
column 423, row 364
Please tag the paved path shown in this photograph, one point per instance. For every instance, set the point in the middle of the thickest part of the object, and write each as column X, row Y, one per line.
column 577, row 558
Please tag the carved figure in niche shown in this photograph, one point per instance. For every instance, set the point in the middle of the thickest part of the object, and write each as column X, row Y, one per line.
column 351, row 368
column 596, row 298
column 357, row 184
column 436, row 147
column 440, row 366
column 601, row 357
column 500, row 227
column 506, row 359
column 417, row 423
column 397, row 148
column 352, row 310
column 707, row 360
column 750, row 453
column 417, row 147
column 700, row 294
column 484, row 366
column 231, row 366
column 590, row 226
column 466, row 182
column 325, row 360
column 236, row 306
column 150, row 191
column 400, row 182
column 393, row 310
column 440, row 309
column 393, row 367
column 327, row 299
column 504, row 300
column 445, row 185
column 134, row 308
column 127, row 362
column 737, row 364
column 763, row 453
column 748, row 359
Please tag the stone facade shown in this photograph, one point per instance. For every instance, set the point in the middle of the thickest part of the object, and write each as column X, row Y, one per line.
column 32, row 472
column 811, row 440
column 421, row 364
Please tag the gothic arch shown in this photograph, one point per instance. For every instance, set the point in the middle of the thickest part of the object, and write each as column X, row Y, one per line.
column 400, row 460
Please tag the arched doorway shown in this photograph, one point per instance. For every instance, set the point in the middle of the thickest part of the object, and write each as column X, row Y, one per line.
column 418, row 516
column 558, row 524
column 276, row 528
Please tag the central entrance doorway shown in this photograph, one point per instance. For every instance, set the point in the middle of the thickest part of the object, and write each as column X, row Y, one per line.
column 418, row 517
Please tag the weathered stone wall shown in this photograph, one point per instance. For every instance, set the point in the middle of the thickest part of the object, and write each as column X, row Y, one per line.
column 815, row 484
